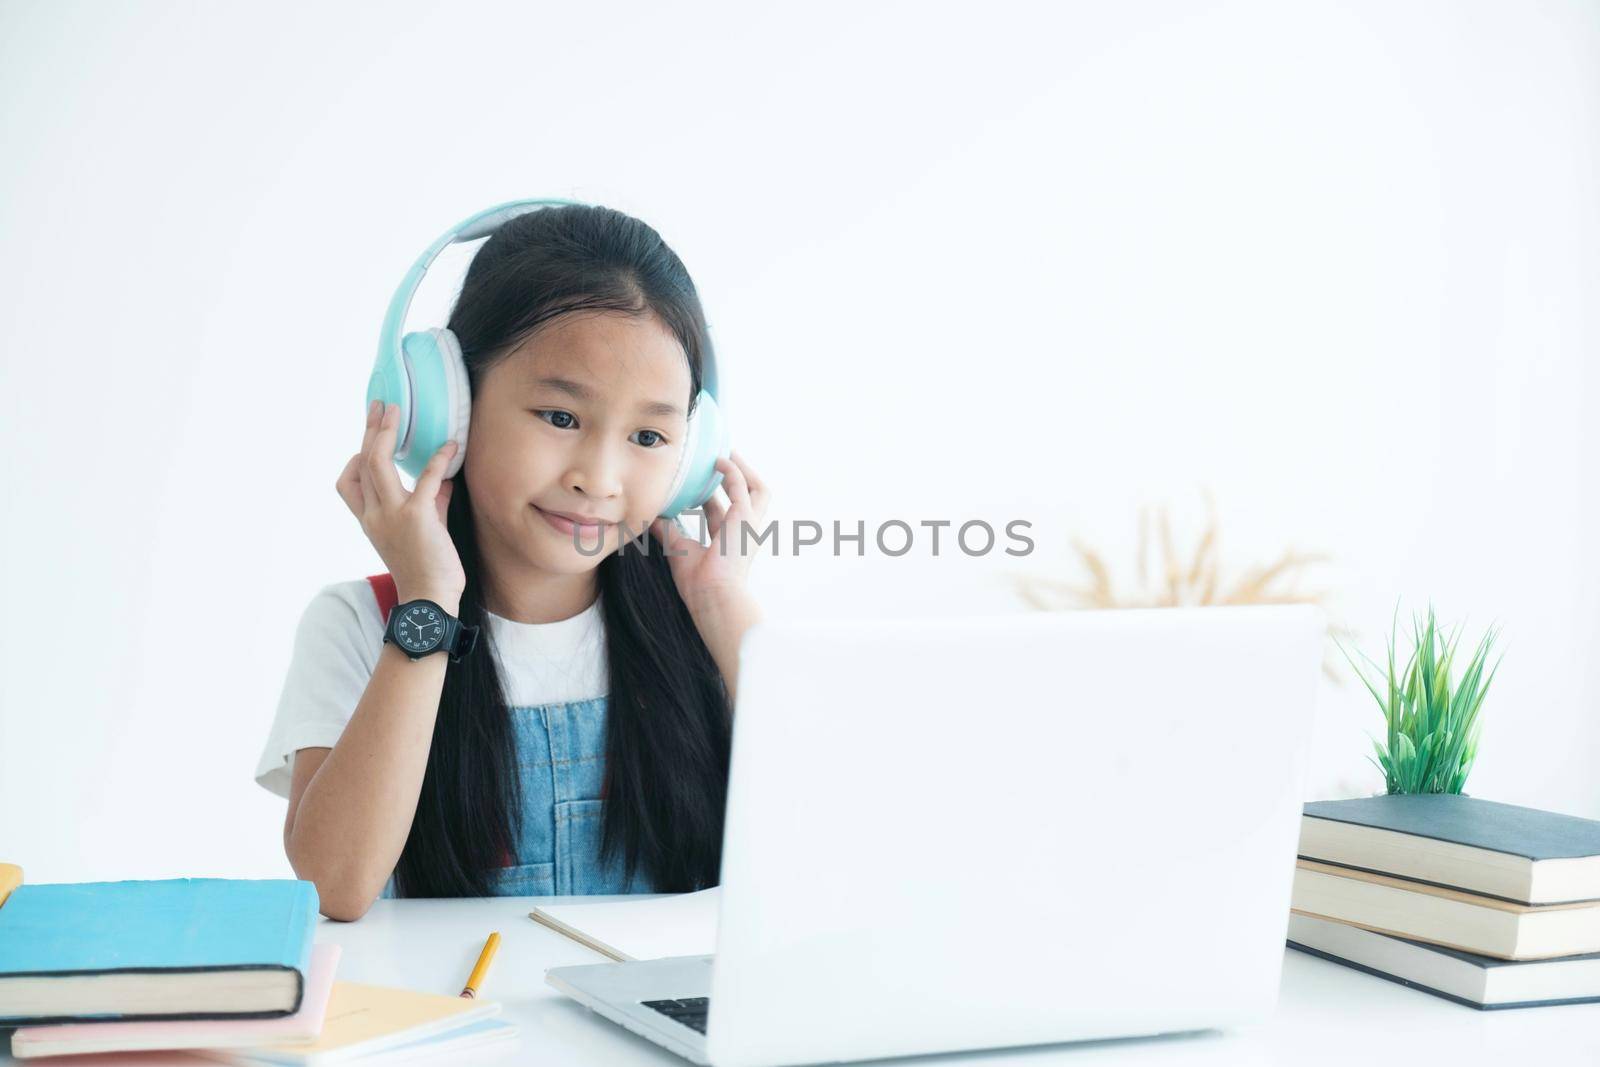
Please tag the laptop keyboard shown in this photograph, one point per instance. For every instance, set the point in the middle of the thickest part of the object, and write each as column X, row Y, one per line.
column 690, row 1011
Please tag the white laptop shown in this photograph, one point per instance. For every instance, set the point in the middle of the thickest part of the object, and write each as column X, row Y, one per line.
column 965, row 833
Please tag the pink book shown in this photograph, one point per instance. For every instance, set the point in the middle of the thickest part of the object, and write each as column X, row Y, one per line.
column 70, row 1038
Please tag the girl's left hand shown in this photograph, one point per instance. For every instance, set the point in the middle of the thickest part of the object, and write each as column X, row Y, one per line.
column 704, row 572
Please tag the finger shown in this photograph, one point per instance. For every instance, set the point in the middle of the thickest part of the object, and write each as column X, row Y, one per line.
column 427, row 486
column 667, row 534
column 369, row 496
column 715, row 510
column 755, row 481
column 729, row 516
column 760, row 494
column 714, row 513
column 349, row 485
column 382, row 475
column 733, row 481
column 374, row 415
column 732, row 507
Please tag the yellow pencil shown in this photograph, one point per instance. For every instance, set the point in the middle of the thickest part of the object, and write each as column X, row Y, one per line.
column 480, row 971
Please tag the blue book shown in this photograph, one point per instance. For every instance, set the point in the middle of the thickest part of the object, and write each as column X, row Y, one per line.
column 1522, row 855
column 180, row 948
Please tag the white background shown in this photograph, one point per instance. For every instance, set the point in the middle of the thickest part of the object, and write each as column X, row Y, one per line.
column 1336, row 263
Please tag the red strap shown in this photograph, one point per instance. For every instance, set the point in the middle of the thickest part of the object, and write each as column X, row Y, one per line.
column 383, row 588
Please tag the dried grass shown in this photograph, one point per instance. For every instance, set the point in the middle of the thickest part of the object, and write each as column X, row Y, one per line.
column 1182, row 582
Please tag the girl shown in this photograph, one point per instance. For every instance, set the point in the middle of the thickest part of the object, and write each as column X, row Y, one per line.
column 582, row 746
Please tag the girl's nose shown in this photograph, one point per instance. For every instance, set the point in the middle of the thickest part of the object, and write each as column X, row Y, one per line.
column 591, row 489
column 596, row 473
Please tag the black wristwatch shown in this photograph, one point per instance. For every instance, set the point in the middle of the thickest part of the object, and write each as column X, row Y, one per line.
column 421, row 626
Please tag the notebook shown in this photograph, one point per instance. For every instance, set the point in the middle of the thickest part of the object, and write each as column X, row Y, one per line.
column 441, row 1048
column 681, row 925
column 1520, row 854
column 366, row 1019
column 180, row 948
column 76, row 1038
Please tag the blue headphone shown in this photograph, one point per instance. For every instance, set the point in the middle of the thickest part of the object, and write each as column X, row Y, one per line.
column 425, row 375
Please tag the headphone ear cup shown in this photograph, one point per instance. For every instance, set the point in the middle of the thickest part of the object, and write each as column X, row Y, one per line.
column 460, row 396
column 441, row 401
column 697, row 476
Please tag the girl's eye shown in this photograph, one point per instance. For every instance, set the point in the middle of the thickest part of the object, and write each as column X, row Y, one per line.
column 565, row 421
column 554, row 415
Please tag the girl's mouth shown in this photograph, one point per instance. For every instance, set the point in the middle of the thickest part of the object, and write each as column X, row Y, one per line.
column 567, row 526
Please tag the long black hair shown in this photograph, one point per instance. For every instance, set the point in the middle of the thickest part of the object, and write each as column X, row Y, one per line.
column 669, row 721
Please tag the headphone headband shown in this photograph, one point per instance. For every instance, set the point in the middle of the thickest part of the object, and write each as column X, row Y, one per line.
column 479, row 225
column 475, row 226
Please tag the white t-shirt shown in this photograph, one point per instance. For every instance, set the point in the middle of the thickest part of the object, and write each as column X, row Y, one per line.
column 336, row 649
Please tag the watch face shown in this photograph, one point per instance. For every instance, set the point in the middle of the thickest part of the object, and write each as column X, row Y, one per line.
column 419, row 628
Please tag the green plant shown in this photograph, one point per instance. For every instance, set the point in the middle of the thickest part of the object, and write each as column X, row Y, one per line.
column 1432, row 721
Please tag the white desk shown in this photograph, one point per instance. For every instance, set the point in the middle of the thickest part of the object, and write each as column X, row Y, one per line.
column 1327, row 1014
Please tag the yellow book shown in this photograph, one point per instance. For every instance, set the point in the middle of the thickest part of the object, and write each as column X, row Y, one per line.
column 365, row 1019
column 10, row 878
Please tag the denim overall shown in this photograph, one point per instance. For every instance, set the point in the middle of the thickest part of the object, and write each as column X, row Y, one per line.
column 561, row 759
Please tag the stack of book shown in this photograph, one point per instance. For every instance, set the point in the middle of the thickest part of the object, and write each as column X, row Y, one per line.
column 226, row 969
column 1490, row 905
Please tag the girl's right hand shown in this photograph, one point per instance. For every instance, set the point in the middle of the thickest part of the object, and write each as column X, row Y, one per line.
column 407, row 529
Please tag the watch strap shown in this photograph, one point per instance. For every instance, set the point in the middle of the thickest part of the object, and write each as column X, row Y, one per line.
column 459, row 639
